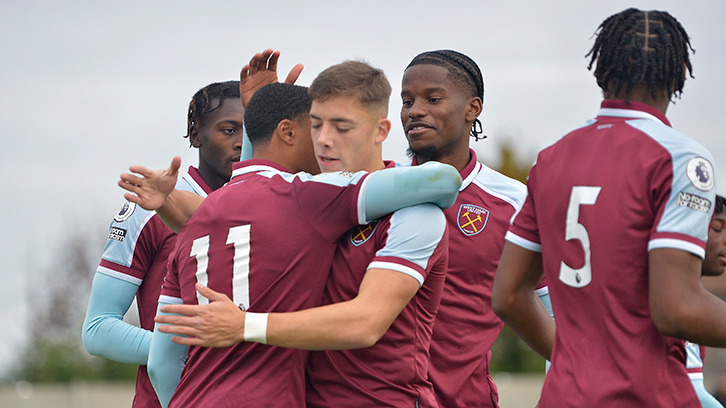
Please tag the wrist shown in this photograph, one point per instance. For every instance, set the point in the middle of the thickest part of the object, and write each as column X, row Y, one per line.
column 255, row 327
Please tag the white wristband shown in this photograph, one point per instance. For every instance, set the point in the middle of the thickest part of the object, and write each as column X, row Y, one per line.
column 256, row 327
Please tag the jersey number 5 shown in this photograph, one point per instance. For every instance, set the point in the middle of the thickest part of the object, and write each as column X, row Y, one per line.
column 581, row 195
column 240, row 238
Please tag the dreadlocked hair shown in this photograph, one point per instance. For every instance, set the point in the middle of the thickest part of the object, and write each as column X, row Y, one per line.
column 201, row 103
column 641, row 47
column 462, row 70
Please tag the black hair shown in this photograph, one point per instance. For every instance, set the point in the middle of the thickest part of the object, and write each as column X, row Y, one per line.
column 641, row 47
column 272, row 104
column 462, row 70
column 720, row 206
column 201, row 103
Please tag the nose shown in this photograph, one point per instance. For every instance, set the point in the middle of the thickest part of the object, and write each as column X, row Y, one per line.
column 416, row 110
column 324, row 136
column 238, row 142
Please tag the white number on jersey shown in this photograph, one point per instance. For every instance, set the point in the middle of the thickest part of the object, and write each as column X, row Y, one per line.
column 581, row 195
column 239, row 237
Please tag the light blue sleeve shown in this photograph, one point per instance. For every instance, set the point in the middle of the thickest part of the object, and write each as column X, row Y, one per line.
column 414, row 235
column 105, row 334
column 246, row 146
column 707, row 400
column 391, row 189
column 166, row 361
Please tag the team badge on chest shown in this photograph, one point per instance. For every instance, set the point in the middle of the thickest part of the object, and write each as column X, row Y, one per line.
column 472, row 219
column 362, row 233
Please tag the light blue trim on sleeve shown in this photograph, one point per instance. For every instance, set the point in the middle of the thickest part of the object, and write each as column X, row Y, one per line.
column 414, row 235
column 246, row 145
column 166, row 359
column 105, row 334
column 388, row 190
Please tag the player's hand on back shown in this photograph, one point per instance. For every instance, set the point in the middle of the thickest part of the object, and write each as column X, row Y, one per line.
column 220, row 323
column 152, row 187
column 261, row 71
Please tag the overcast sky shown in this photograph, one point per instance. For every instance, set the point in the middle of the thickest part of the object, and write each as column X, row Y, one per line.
column 91, row 87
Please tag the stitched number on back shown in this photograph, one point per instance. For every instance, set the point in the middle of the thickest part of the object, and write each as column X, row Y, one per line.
column 240, row 238
column 581, row 195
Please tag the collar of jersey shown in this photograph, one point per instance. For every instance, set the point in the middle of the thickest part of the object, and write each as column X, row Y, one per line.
column 634, row 110
column 256, row 166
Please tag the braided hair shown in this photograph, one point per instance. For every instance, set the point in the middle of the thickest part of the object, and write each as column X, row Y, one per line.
column 720, row 206
column 201, row 103
column 462, row 70
column 641, row 47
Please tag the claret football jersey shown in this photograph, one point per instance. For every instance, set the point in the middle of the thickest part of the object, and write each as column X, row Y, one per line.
column 598, row 200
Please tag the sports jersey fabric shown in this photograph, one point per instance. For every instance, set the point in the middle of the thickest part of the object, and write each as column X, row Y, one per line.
column 251, row 240
column 392, row 373
column 694, row 365
column 466, row 327
column 598, row 200
column 133, row 264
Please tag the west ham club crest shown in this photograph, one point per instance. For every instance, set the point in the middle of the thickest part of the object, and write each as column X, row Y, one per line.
column 472, row 219
column 362, row 233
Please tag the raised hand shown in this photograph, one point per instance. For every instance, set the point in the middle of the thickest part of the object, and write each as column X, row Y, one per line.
column 261, row 71
column 151, row 189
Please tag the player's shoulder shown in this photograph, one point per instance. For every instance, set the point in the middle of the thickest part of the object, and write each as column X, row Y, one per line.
column 499, row 185
column 132, row 217
column 675, row 142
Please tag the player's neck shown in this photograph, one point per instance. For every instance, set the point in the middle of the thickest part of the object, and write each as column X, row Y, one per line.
column 640, row 93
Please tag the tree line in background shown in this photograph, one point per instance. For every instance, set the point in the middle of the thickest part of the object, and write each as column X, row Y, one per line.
column 54, row 351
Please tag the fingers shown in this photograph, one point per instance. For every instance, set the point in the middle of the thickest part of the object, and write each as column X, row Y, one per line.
column 294, row 74
column 186, row 310
column 272, row 61
column 141, row 170
column 175, row 165
column 210, row 294
column 189, row 341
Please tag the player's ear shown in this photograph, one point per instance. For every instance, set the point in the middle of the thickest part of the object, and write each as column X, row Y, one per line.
column 474, row 108
column 286, row 131
column 195, row 138
column 382, row 129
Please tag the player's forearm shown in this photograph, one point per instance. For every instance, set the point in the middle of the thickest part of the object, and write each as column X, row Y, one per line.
column 515, row 302
column 679, row 304
column 391, row 189
column 340, row 326
column 178, row 207
column 530, row 321
column 105, row 334
column 166, row 361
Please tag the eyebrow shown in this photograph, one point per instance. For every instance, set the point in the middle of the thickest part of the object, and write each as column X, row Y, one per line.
column 337, row 120
column 427, row 90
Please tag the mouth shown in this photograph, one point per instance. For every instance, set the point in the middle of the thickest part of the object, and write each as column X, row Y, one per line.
column 416, row 128
column 326, row 161
column 235, row 159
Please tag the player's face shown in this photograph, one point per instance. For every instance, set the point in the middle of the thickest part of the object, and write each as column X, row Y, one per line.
column 434, row 112
column 306, row 152
column 220, row 138
column 346, row 136
column 714, row 263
